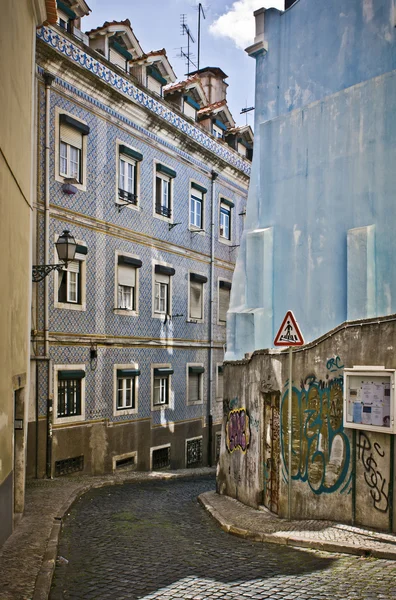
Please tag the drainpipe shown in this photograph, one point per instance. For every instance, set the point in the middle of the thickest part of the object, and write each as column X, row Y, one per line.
column 48, row 78
column 211, row 317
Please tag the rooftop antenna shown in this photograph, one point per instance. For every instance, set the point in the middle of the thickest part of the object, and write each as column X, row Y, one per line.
column 246, row 110
column 200, row 10
column 185, row 30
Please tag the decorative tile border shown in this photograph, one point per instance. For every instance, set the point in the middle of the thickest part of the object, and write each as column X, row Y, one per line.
column 122, row 85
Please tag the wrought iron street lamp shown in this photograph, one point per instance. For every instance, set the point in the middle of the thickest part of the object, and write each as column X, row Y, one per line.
column 66, row 248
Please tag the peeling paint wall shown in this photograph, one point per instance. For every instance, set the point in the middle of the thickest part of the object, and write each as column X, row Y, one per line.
column 337, row 474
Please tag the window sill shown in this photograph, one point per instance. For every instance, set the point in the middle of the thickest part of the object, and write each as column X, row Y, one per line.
column 225, row 241
column 125, row 411
column 80, row 419
column 122, row 204
column 195, row 321
column 125, row 312
column 194, row 229
column 162, row 217
column 159, row 406
column 82, row 187
column 70, row 306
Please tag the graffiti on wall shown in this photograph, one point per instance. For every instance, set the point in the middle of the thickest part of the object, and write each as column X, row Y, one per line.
column 320, row 447
column 369, row 454
column 334, row 364
column 237, row 430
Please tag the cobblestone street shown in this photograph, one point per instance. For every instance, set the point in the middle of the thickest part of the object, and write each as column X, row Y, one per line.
column 153, row 540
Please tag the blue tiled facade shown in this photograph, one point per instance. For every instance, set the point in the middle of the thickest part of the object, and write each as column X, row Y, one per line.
column 95, row 220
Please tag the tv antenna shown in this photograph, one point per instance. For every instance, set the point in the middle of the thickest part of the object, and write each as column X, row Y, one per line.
column 246, row 110
column 185, row 30
column 200, row 11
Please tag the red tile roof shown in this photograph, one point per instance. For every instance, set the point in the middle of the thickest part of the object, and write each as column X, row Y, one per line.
column 212, row 107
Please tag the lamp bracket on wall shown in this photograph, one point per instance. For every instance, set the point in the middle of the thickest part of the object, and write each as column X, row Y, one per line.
column 172, row 225
column 40, row 272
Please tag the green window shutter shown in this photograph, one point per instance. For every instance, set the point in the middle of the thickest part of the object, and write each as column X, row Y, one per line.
column 68, row 120
column 128, row 372
column 165, row 170
column 129, row 152
column 198, row 187
column 227, row 202
column 81, row 249
column 163, row 372
column 197, row 370
column 71, row 374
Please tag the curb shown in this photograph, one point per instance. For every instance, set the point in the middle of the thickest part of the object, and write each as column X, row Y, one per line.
column 292, row 540
column 43, row 581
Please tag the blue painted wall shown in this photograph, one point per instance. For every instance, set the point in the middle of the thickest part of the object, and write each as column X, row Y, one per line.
column 319, row 234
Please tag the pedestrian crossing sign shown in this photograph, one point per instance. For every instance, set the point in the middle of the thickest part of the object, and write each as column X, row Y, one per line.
column 289, row 333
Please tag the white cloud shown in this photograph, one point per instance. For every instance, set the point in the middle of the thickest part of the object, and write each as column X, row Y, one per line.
column 238, row 22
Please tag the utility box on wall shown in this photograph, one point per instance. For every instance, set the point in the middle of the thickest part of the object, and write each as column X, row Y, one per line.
column 369, row 399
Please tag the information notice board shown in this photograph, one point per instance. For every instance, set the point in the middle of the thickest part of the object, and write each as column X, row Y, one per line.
column 369, row 399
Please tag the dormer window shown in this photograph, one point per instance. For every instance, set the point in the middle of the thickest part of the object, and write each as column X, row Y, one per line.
column 190, row 107
column 154, row 80
column 66, row 16
column 119, row 55
column 218, row 129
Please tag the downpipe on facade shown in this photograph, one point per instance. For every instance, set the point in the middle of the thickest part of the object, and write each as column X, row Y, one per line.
column 48, row 78
column 209, row 420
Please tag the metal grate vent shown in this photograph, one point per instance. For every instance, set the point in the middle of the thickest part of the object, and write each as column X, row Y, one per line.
column 69, row 465
column 161, row 458
column 194, row 453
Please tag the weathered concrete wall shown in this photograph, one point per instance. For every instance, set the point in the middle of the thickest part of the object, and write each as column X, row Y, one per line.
column 333, row 476
column 17, row 42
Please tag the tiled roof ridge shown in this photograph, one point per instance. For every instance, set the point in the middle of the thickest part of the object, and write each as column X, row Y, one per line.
column 108, row 23
column 213, row 106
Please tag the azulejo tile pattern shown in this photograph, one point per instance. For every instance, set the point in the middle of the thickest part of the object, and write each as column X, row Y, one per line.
column 94, row 218
column 124, row 86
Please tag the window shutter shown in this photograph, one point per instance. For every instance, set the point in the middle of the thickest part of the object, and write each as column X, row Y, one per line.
column 71, row 136
column 195, row 300
column 158, row 193
column 224, row 301
column 126, row 276
column 117, row 59
column 193, row 387
column 159, row 278
column 73, row 266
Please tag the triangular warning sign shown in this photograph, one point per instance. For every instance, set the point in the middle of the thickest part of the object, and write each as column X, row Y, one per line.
column 289, row 333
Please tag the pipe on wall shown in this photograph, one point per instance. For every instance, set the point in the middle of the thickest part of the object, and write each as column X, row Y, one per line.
column 211, row 316
column 48, row 79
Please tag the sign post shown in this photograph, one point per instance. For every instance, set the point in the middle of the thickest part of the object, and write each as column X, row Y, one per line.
column 289, row 335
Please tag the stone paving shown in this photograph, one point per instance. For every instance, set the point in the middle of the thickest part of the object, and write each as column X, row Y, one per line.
column 153, row 540
column 236, row 518
column 26, row 558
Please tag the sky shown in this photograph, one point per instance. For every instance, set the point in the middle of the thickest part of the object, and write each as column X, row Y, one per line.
column 227, row 29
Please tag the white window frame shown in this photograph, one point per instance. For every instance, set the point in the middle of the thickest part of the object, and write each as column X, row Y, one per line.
column 170, row 395
column 222, row 323
column 168, row 179
column 156, row 277
column 191, row 319
column 217, row 132
column 199, row 196
column 222, row 238
column 218, row 397
column 201, row 384
column 122, row 311
column 76, row 418
column 82, row 258
column 83, row 159
column 128, row 159
column 68, row 173
column 117, row 412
